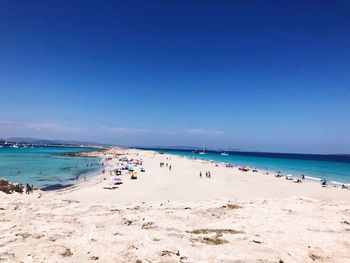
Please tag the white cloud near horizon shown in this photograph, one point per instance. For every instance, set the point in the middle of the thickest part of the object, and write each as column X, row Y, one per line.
column 203, row 132
column 107, row 134
column 37, row 129
column 162, row 131
column 31, row 125
column 124, row 135
column 124, row 129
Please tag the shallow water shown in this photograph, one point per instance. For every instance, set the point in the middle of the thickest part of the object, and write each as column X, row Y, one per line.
column 45, row 166
column 331, row 167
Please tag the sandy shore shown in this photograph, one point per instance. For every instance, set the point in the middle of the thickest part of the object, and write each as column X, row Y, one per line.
column 176, row 216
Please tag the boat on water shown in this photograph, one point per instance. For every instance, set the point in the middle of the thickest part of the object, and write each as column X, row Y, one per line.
column 203, row 151
column 14, row 146
column 224, row 153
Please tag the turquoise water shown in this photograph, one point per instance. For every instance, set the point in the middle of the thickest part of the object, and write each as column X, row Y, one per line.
column 333, row 168
column 44, row 166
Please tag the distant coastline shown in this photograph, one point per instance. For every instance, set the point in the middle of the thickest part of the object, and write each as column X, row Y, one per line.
column 297, row 156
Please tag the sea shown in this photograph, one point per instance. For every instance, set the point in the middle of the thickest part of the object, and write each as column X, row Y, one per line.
column 334, row 168
column 45, row 167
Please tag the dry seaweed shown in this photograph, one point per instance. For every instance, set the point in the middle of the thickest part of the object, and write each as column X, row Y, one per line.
column 233, row 206
column 67, row 253
column 218, row 231
column 215, row 240
column 148, row 225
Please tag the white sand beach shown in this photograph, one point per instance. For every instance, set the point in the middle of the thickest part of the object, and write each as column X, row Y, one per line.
column 176, row 216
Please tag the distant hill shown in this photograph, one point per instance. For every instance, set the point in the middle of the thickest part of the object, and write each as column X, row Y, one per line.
column 30, row 140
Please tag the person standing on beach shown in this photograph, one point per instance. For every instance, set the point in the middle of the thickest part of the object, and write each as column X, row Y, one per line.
column 28, row 189
column 169, row 167
column 200, row 174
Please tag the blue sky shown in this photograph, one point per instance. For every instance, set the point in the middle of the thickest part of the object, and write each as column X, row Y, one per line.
column 252, row 75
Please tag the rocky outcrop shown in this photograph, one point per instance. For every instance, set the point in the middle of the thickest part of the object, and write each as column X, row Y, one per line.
column 9, row 188
column 84, row 154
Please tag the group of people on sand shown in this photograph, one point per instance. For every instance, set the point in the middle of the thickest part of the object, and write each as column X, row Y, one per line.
column 161, row 165
column 207, row 174
column 323, row 181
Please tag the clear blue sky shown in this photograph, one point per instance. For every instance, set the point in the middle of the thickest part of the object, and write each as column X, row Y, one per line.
column 253, row 75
